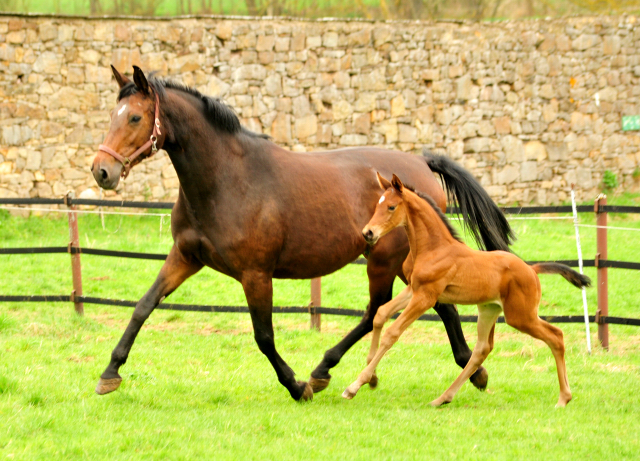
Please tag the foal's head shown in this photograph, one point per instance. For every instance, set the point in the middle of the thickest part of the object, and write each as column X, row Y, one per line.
column 390, row 212
column 132, row 129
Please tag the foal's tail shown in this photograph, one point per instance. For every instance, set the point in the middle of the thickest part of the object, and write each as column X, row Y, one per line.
column 575, row 278
column 482, row 217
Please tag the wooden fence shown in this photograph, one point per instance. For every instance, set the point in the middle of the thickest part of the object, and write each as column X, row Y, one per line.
column 315, row 308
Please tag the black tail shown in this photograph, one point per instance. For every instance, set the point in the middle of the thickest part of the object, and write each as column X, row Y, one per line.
column 575, row 278
column 482, row 217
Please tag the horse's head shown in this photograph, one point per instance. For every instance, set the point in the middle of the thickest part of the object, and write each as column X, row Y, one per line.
column 135, row 131
column 389, row 213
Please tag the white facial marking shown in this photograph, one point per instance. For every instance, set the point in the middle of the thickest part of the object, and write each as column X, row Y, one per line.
column 381, row 199
column 122, row 110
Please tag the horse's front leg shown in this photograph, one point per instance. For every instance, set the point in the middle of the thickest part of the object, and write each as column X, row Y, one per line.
column 258, row 289
column 176, row 269
column 461, row 352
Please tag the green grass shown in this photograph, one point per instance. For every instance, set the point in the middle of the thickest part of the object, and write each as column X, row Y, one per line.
column 197, row 387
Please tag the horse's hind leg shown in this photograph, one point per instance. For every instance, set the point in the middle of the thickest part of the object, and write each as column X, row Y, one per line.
column 487, row 316
column 553, row 337
column 175, row 270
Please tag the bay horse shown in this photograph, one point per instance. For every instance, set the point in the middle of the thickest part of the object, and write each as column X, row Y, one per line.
column 254, row 211
column 441, row 268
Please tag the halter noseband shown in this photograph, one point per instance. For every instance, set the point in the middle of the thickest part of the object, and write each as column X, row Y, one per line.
column 127, row 162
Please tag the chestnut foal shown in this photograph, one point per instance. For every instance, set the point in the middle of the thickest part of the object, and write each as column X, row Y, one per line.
column 446, row 270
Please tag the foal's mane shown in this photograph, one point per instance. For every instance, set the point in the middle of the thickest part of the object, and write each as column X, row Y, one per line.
column 217, row 113
column 436, row 208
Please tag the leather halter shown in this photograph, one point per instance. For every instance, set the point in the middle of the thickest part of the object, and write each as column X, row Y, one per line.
column 127, row 162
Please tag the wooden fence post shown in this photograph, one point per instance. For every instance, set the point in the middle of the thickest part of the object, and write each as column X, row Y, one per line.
column 603, row 292
column 316, row 292
column 74, row 251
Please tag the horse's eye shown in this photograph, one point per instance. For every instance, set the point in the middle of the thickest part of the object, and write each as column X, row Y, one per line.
column 392, row 208
column 135, row 119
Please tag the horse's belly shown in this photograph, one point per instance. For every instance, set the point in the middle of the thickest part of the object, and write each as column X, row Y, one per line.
column 317, row 259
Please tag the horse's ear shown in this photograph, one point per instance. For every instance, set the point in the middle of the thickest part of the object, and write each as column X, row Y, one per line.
column 397, row 184
column 121, row 79
column 140, row 80
column 384, row 183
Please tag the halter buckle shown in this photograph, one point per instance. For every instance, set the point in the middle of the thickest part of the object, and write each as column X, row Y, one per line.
column 154, row 139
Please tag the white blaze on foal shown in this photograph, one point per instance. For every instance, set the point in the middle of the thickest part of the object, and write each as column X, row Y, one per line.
column 122, row 109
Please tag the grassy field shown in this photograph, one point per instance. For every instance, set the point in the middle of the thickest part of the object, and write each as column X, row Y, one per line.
column 196, row 385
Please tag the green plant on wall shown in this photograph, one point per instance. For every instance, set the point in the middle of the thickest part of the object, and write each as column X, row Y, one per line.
column 609, row 181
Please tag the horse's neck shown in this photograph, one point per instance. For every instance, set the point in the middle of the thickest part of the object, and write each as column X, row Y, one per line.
column 425, row 228
column 208, row 161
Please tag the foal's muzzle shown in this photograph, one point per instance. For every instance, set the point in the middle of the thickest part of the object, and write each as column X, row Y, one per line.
column 369, row 236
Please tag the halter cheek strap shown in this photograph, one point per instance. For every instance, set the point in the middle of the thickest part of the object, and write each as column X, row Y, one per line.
column 127, row 162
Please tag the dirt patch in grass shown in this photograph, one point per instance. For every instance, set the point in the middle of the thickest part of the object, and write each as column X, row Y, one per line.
column 77, row 359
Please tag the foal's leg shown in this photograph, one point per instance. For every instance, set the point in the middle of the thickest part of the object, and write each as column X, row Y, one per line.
column 451, row 321
column 461, row 352
column 384, row 313
column 553, row 337
column 176, row 269
column 417, row 306
column 258, row 289
column 487, row 316
column 385, row 261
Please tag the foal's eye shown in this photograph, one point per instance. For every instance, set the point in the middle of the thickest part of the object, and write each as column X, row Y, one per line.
column 135, row 119
column 392, row 208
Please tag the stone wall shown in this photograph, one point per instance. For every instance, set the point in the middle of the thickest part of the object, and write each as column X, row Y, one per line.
column 529, row 107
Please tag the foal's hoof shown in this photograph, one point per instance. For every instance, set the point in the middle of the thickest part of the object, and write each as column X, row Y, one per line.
column 439, row 402
column 307, row 393
column 373, row 383
column 319, row 384
column 347, row 394
column 107, row 385
column 480, row 378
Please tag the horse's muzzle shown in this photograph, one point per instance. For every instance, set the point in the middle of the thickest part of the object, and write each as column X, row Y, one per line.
column 106, row 172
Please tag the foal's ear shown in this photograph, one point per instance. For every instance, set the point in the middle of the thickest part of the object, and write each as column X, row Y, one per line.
column 384, row 183
column 397, row 184
column 140, row 80
column 121, row 79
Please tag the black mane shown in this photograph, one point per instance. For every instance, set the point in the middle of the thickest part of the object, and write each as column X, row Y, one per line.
column 436, row 208
column 217, row 113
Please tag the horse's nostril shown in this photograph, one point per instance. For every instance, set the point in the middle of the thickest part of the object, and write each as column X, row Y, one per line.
column 104, row 174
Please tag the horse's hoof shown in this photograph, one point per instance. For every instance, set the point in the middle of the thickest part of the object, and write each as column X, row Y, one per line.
column 319, row 384
column 107, row 385
column 307, row 394
column 373, row 383
column 480, row 378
